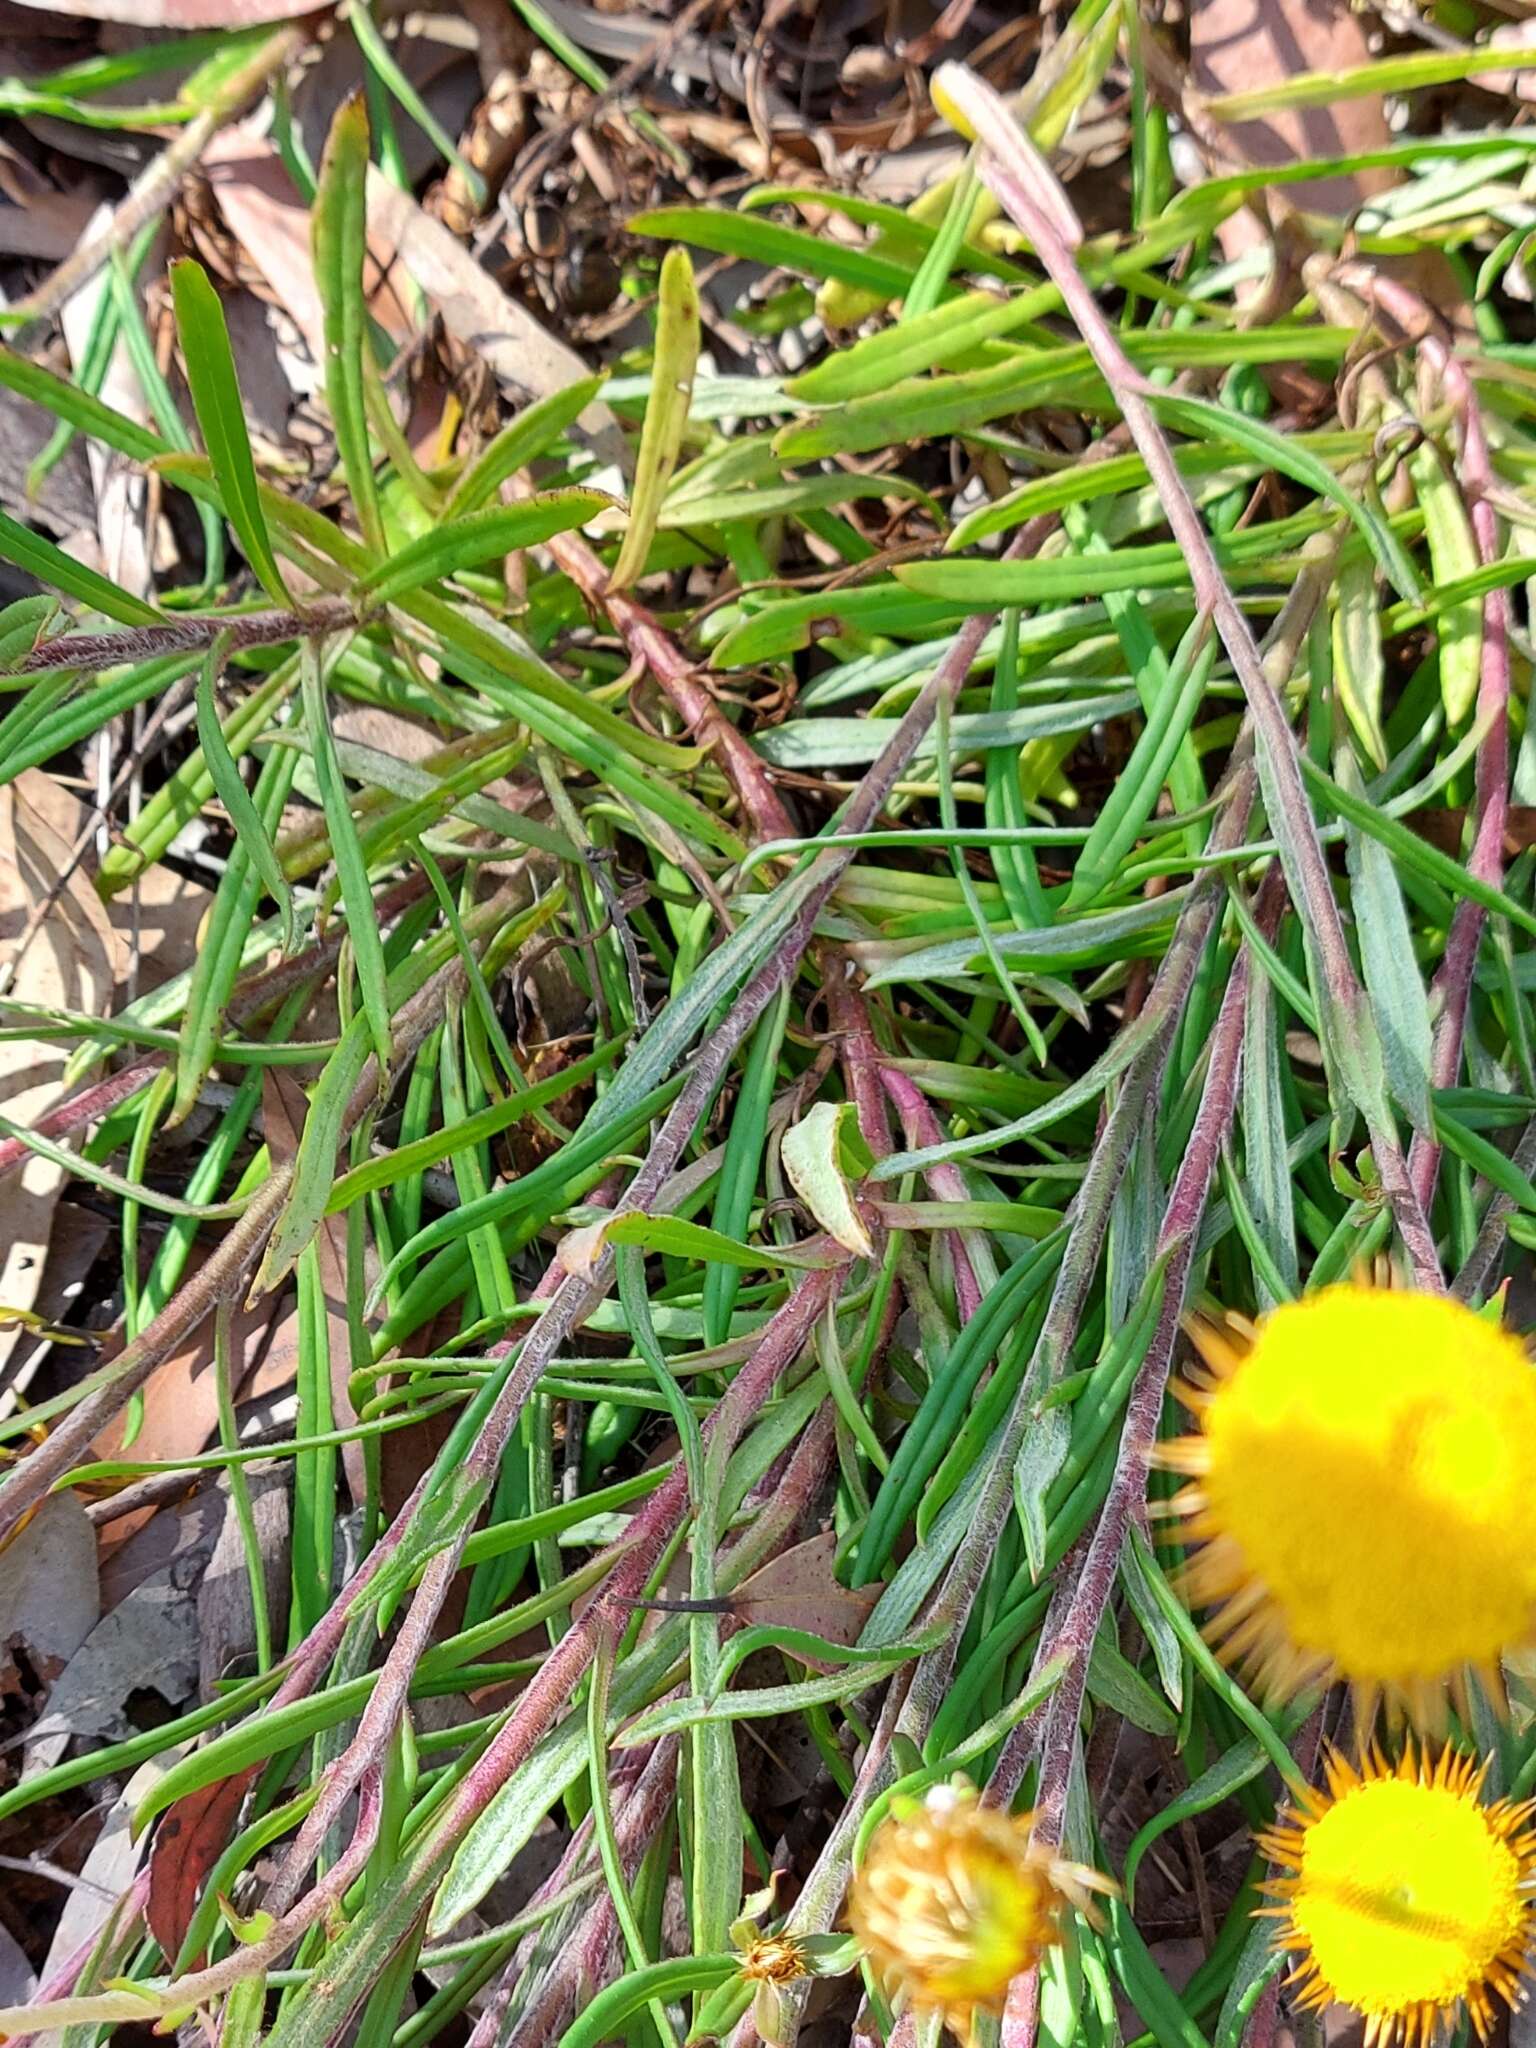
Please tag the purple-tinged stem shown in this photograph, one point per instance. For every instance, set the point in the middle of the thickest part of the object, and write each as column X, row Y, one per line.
column 583, row 1957
column 821, row 1896
column 1084, row 1609
column 1075, row 1618
column 1032, row 197
column 1473, row 1280
column 848, row 1017
column 649, row 642
column 1090, row 1219
column 576, row 1295
column 1453, row 982
column 921, row 1127
column 88, row 1106
column 65, row 1979
column 649, row 1533
column 94, row 651
column 220, row 1280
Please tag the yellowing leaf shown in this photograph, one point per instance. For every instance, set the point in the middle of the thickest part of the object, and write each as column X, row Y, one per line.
column 811, row 1159
column 666, row 415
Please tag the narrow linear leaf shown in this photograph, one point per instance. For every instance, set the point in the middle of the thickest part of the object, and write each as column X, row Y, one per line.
column 532, row 434
column 1408, row 848
column 603, row 2017
column 1380, row 75
column 480, row 538
column 666, row 416
column 1220, row 423
column 235, row 797
column 50, row 565
column 351, row 866
column 1357, row 660
column 215, row 388
column 1392, row 977
column 1137, row 788
column 1452, row 555
column 1266, row 1163
column 339, row 237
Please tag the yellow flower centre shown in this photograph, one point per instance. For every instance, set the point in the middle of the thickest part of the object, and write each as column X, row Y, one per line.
column 1405, row 1896
column 774, row 1959
column 1373, row 1458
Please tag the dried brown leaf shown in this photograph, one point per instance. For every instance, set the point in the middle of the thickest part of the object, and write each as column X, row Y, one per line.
column 57, row 947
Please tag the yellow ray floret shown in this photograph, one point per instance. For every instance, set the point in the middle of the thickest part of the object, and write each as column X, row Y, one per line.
column 1404, row 1896
column 952, row 1902
column 1364, row 1497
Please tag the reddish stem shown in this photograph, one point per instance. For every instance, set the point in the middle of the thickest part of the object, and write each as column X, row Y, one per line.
column 251, row 996
column 1490, row 808
column 1082, row 1611
column 1032, row 197
column 945, row 1181
column 648, row 641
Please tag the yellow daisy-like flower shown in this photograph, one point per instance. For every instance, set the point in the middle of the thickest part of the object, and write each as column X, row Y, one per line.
column 1404, row 1896
column 1365, row 1495
column 952, row 1902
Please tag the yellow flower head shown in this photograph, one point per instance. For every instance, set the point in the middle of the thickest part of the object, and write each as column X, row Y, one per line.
column 1365, row 1495
column 1404, row 1896
column 952, row 1902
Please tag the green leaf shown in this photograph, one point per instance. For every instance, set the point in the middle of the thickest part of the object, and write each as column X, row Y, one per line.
column 603, row 2017
column 535, row 430
column 1411, row 851
column 1221, row 424
column 1452, row 555
column 1236, row 1767
column 1259, row 554
column 1396, row 74
column 380, row 59
column 1116, row 1683
column 779, row 248
column 1139, row 784
column 1392, row 977
column 674, row 1238
column 666, row 416
column 479, row 537
column 1357, row 661
column 339, row 238
column 233, row 794
column 766, row 1702
column 215, row 388
column 66, row 401
column 351, row 866
column 50, row 565
column 22, row 625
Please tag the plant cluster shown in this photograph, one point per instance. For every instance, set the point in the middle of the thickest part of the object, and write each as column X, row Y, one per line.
column 911, row 876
